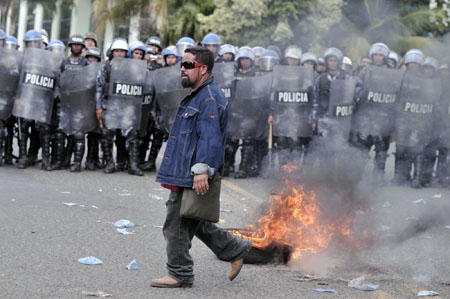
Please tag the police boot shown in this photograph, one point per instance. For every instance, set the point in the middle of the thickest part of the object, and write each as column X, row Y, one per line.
column 2, row 144
column 45, row 144
column 150, row 165
column 92, row 148
column 69, row 151
column 9, row 148
column 107, row 145
column 419, row 171
column 23, row 159
column 402, row 168
column 35, row 144
column 133, row 165
column 442, row 168
column 379, row 168
column 78, row 155
column 58, row 162
column 246, row 160
column 121, row 156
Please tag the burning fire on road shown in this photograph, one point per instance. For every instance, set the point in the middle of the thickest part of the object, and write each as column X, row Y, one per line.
column 297, row 222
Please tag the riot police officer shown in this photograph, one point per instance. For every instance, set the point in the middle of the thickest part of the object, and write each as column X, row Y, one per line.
column 425, row 161
column 363, row 137
column 7, row 122
column 93, row 55
column 320, row 66
column 408, row 126
column 90, row 41
column 184, row 43
column 245, row 58
column 393, row 60
column 258, row 51
column 119, row 49
column 156, row 133
column 154, row 48
column 227, row 53
column 212, row 42
column 293, row 55
column 76, row 142
column 310, row 60
column 32, row 39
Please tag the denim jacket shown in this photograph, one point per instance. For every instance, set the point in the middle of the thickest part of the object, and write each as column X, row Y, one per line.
column 198, row 136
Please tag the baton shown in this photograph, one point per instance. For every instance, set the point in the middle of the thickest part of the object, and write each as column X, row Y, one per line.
column 270, row 144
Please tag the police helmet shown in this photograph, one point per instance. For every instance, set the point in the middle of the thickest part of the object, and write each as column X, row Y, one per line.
column 414, row 55
column 258, row 50
column 119, row 44
column 2, row 34
column 294, row 52
column 11, row 43
column 320, row 61
column 245, row 52
column 56, row 46
column 333, row 52
column 347, row 64
column 32, row 36
column 275, row 48
column 154, row 41
column 444, row 67
column 170, row 50
column 211, row 39
column 308, row 56
column 93, row 36
column 393, row 56
column 227, row 48
column 137, row 45
column 94, row 52
column 431, row 62
column 183, row 44
column 76, row 39
column 268, row 60
column 44, row 34
column 379, row 48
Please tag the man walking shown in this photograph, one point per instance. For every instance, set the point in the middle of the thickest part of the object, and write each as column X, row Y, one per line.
column 194, row 154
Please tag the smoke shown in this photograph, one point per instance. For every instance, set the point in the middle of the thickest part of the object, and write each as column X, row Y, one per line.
column 394, row 232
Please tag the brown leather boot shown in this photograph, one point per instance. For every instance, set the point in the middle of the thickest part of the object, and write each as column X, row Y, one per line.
column 236, row 267
column 169, row 282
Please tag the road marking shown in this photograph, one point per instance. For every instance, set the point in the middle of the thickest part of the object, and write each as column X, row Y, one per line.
column 238, row 189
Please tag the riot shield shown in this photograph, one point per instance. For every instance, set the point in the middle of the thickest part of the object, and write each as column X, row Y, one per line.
column 340, row 109
column 442, row 122
column 223, row 74
column 126, row 90
column 169, row 94
column 375, row 110
column 78, row 87
column 249, row 107
column 35, row 93
column 149, row 92
column 292, row 99
column 10, row 65
column 416, row 110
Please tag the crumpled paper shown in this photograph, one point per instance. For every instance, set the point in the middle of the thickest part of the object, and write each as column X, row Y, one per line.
column 357, row 284
column 325, row 290
column 132, row 265
column 124, row 231
column 122, row 223
column 90, row 260
column 427, row 293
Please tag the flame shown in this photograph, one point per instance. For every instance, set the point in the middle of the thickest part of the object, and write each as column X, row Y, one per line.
column 296, row 219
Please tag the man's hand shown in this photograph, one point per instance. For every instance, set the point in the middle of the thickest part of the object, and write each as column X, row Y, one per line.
column 99, row 113
column 201, row 185
column 270, row 120
column 153, row 116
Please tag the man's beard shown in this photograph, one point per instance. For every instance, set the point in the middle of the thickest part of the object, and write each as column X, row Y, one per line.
column 186, row 82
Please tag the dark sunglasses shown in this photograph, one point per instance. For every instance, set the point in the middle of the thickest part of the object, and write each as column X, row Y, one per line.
column 189, row 65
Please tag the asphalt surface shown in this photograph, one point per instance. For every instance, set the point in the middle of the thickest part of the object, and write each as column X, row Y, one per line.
column 42, row 240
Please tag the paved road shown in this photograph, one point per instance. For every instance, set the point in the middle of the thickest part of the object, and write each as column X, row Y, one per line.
column 42, row 240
